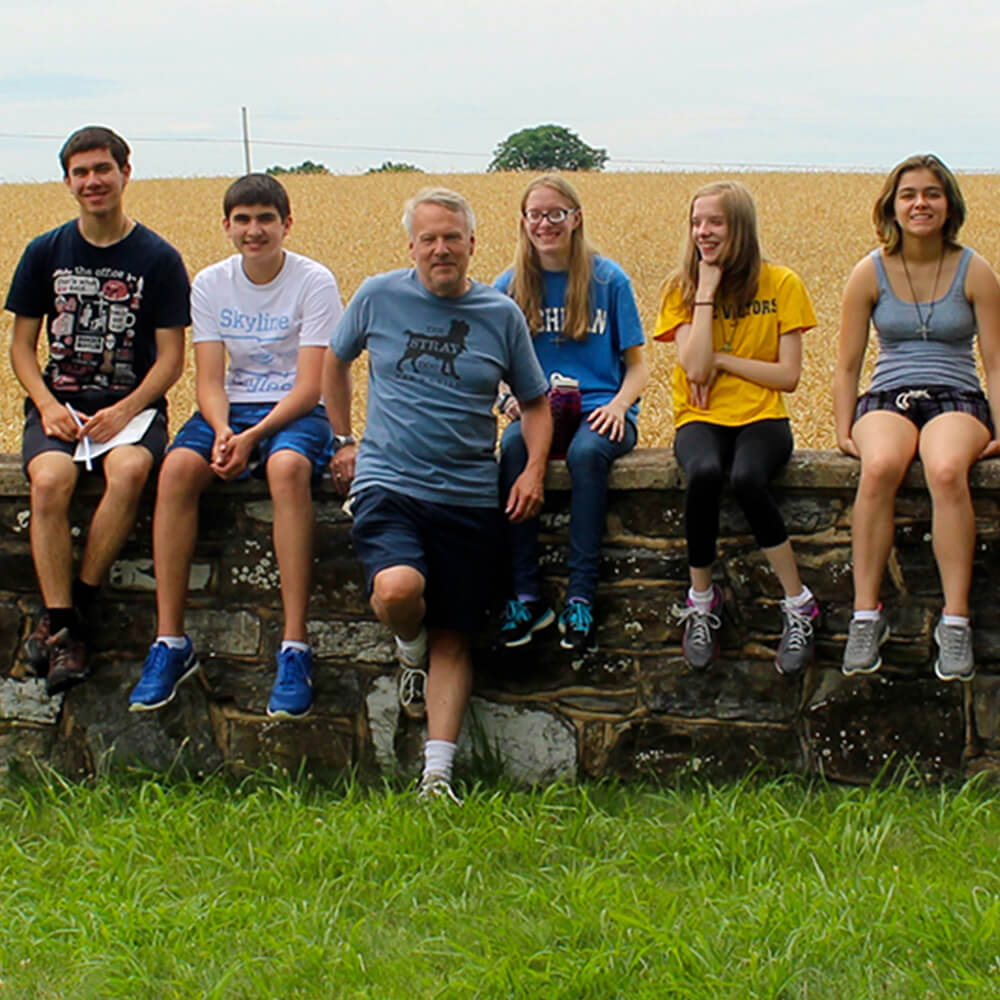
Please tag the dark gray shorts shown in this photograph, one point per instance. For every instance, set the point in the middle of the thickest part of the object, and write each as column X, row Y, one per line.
column 922, row 404
column 36, row 441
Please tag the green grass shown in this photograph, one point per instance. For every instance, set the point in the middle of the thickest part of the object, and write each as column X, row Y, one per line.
column 279, row 889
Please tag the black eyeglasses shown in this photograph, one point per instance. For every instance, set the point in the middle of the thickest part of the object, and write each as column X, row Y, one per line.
column 554, row 215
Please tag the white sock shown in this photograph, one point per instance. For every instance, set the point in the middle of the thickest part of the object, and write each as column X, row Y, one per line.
column 955, row 620
column 172, row 641
column 413, row 650
column 867, row 616
column 303, row 647
column 701, row 599
column 439, row 755
column 800, row 600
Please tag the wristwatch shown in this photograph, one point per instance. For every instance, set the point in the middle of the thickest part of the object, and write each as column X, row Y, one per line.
column 339, row 440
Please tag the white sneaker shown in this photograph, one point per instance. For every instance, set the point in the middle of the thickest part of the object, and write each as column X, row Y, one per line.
column 412, row 685
column 437, row 786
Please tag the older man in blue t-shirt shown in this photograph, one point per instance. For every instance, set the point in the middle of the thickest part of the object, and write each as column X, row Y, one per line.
column 423, row 482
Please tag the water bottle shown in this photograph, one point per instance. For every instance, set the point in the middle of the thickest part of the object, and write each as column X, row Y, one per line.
column 565, row 402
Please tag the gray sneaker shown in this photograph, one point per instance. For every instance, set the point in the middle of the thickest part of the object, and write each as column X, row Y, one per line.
column 864, row 640
column 701, row 644
column 797, row 645
column 954, row 661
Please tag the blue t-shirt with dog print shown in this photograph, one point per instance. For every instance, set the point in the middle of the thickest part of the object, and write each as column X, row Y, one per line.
column 434, row 365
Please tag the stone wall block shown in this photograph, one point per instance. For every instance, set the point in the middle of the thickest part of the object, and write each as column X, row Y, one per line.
column 224, row 633
column 640, row 616
column 544, row 666
column 524, row 743
column 138, row 575
column 97, row 730
column 11, row 619
column 27, row 701
column 986, row 710
column 640, row 563
column 731, row 689
column 667, row 749
column 25, row 747
column 358, row 641
column 858, row 728
column 811, row 514
column 645, row 513
column 320, row 744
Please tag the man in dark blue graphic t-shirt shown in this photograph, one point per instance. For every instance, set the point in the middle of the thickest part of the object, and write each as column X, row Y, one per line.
column 424, row 483
column 113, row 297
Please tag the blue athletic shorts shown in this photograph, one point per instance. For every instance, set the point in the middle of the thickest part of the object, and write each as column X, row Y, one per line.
column 309, row 435
column 455, row 549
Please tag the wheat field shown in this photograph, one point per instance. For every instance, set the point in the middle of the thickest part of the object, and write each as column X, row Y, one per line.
column 819, row 224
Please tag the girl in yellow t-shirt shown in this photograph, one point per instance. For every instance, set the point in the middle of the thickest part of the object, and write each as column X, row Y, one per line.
column 737, row 321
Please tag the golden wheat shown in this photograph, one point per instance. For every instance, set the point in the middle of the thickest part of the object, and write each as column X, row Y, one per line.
column 817, row 223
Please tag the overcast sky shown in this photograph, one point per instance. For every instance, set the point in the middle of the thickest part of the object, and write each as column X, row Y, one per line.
column 659, row 84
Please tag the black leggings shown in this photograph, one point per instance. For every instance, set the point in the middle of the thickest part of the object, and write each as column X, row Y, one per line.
column 750, row 457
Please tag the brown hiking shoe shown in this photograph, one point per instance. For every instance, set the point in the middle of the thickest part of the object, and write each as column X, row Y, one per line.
column 35, row 650
column 67, row 662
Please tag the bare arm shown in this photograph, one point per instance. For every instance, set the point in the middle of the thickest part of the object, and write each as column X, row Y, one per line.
column 860, row 296
column 782, row 374
column 337, row 397
column 56, row 419
column 983, row 291
column 694, row 339
column 165, row 371
column 528, row 492
column 610, row 418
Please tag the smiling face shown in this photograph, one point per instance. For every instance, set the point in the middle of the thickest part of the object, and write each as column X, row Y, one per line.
column 96, row 182
column 920, row 204
column 709, row 227
column 440, row 247
column 258, row 232
column 552, row 240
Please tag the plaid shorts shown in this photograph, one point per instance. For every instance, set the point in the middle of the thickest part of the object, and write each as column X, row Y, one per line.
column 924, row 404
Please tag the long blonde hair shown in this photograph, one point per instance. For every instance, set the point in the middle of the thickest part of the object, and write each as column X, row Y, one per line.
column 741, row 258
column 526, row 286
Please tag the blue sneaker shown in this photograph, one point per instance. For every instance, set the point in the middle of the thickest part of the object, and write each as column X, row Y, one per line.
column 291, row 696
column 577, row 626
column 162, row 673
column 522, row 619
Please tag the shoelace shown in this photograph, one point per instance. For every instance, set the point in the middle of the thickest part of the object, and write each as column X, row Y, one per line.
column 955, row 642
column 412, row 684
column 435, row 786
column 515, row 613
column 293, row 669
column 579, row 617
column 861, row 636
column 800, row 629
column 701, row 623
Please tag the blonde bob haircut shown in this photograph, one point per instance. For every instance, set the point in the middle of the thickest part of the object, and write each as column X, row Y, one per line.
column 741, row 257
column 526, row 287
column 884, row 214
column 444, row 197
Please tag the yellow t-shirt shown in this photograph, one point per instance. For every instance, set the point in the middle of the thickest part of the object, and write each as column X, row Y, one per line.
column 781, row 305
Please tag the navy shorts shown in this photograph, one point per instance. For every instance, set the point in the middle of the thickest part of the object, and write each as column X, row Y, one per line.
column 454, row 548
column 921, row 405
column 36, row 441
column 310, row 435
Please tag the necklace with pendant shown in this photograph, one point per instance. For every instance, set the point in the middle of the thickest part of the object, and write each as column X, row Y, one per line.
column 924, row 327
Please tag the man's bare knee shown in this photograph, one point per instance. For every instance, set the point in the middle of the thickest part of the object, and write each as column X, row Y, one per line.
column 397, row 585
column 126, row 470
column 52, row 483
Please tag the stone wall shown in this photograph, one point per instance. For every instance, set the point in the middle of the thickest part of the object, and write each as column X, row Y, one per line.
column 633, row 708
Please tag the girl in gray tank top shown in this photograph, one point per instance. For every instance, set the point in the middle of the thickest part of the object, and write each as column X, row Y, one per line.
column 928, row 299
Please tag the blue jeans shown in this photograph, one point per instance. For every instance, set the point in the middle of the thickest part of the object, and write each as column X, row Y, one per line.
column 589, row 460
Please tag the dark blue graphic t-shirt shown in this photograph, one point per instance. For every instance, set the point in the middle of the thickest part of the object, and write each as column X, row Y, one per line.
column 102, row 307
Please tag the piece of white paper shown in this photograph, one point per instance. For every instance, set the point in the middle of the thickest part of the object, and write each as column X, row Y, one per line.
column 87, row 449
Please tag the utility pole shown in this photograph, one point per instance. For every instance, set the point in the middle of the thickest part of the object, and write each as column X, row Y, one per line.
column 246, row 141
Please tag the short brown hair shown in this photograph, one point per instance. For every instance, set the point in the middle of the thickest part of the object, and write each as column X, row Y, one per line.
column 83, row 140
column 257, row 189
column 884, row 213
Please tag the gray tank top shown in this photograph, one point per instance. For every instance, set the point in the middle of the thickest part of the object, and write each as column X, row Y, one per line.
column 943, row 356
